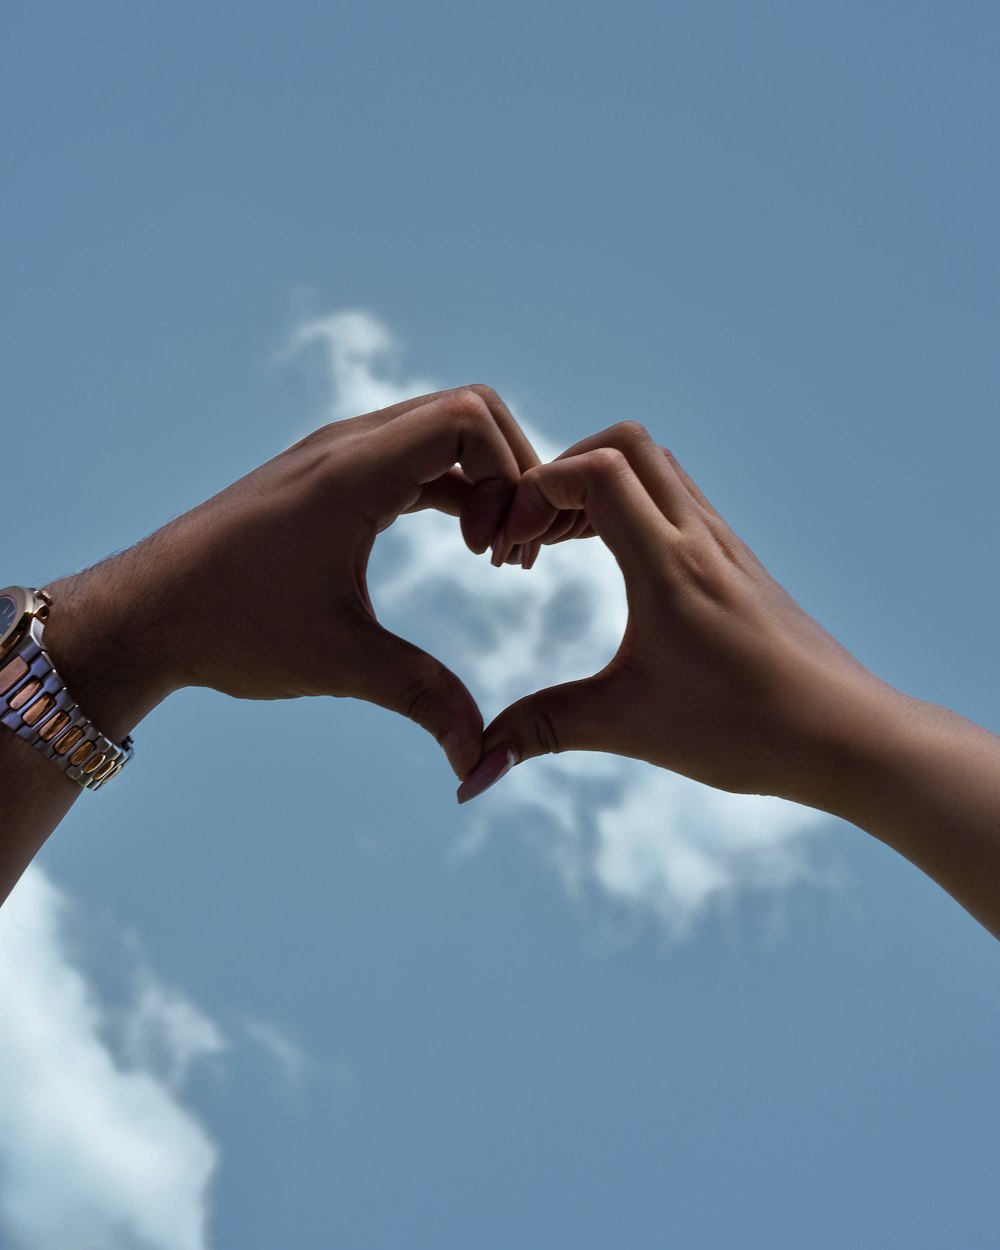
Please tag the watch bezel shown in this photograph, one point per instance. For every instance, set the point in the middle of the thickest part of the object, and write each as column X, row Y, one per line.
column 24, row 605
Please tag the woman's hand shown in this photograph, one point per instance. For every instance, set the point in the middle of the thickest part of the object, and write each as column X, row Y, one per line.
column 261, row 592
column 720, row 675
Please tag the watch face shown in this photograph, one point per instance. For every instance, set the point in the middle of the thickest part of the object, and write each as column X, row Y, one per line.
column 8, row 616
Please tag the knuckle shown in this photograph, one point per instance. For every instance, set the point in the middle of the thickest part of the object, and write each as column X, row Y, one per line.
column 608, row 462
column 315, row 439
column 471, row 403
column 530, row 500
column 706, row 568
column 543, row 738
column 486, row 393
column 419, row 697
column 631, row 434
column 680, row 472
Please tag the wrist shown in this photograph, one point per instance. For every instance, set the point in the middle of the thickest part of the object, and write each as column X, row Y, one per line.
column 102, row 652
column 854, row 750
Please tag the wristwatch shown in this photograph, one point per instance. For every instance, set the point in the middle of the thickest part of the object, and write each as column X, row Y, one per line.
column 35, row 703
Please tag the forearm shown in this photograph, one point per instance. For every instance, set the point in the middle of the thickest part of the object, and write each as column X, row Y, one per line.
column 928, row 785
column 35, row 795
column 34, row 798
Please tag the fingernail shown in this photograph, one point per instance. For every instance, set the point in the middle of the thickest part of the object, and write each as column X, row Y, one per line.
column 500, row 548
column 515, row 555
column 451, row 744
column 494, row 765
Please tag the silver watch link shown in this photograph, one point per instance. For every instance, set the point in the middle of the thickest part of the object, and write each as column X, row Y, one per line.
column 35, row 703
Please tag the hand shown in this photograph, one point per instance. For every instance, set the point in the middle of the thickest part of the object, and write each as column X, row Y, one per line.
column 720, row 676
column 261, row 592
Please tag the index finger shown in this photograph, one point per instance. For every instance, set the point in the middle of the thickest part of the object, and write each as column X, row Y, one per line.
column 481, row 517
column 602, row 486
column 423, row 446
column 524, row 454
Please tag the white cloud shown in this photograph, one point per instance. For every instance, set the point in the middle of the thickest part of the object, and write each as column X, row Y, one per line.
column 644, row 837
column 163, row 1033
column 294, row 1063
column 287, row 1053
column 96, row 1150
column 358, row 357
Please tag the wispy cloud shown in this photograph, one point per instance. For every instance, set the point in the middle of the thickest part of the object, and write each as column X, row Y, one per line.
column 294, row 1063
column 656, row 843
column 275, row 1040
column 97, row 1152
column 165, row 1034
column 356, row 366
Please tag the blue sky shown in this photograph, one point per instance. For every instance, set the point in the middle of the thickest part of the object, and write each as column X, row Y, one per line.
column 319, row 1002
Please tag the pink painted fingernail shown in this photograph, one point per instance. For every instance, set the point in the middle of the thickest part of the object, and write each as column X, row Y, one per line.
column 494, row 765
column 500, row 549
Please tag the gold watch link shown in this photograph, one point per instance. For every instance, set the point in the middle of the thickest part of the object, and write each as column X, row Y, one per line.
column 35, row 703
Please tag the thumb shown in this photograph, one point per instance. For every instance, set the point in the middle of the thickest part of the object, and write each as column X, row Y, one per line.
column 399, row 676
column 561, row 718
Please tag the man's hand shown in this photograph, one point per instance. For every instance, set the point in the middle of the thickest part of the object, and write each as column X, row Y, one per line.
column 261, row 592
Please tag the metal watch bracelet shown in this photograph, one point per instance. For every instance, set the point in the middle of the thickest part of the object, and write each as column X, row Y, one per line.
column 36, row 705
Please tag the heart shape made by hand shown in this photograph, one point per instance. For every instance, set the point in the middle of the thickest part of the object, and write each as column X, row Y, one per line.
column 507, row 632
